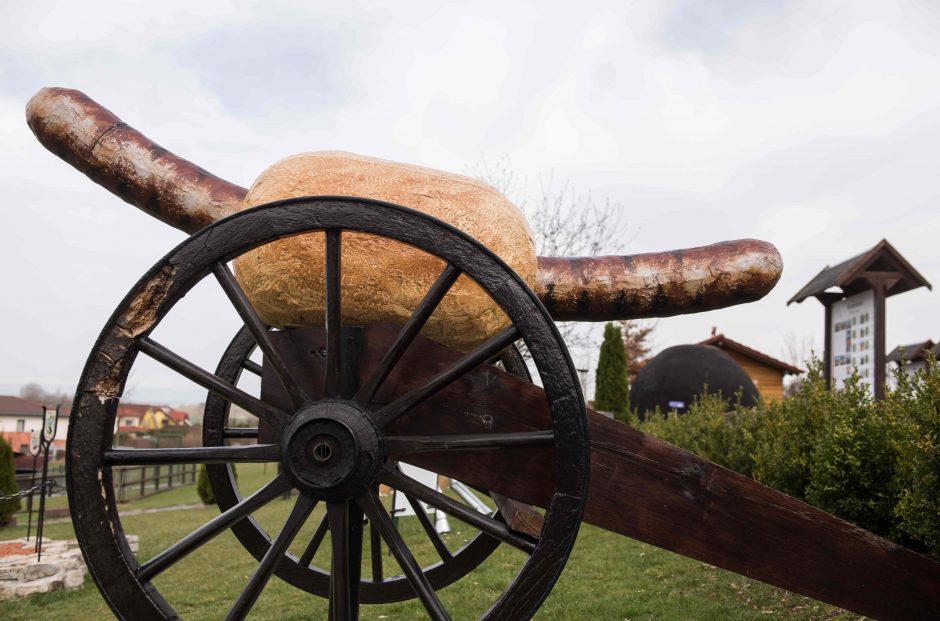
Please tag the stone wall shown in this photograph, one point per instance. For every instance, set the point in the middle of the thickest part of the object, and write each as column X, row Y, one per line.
column 61, row 567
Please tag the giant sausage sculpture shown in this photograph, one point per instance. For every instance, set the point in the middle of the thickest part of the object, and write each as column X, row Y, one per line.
column 185, row 196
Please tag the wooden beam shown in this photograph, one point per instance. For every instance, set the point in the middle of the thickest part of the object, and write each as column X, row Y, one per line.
column 647, row 489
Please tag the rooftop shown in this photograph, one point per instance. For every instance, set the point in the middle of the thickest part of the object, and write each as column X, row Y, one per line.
column 723, row 342
column 850, row 274
column 912, row 352
column 18, row 406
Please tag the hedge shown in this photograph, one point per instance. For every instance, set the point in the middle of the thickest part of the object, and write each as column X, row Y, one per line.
column 873, row 463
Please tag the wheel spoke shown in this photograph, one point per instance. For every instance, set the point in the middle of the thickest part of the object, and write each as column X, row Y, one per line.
column 259, row 579
column 463, row 513
column 203, row 534
column 237, row 454
column 346, row 538
column 307, row 557
column 372, row 506
column 240, row 432
column 375, row 541
column 440, row 381
column 398, row 445
column 259, row 330
column 408, row 332
column 252, row 366
column 432, row 533
column 333, row 319
column 213, row 383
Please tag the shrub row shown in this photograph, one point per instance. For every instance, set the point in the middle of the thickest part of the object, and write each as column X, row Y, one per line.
column 873, row 463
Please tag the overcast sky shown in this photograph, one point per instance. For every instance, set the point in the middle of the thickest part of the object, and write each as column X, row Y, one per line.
column 815, row 126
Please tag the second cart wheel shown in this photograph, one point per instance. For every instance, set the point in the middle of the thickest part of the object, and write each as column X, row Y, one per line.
column 334, row 449
column 379, row 588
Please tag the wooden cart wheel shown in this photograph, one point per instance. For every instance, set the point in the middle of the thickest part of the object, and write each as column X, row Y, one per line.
column 299, row 571
column 325, row 428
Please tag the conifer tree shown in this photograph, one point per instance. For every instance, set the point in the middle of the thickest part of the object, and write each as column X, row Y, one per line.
column 7, row 483
column 611, row 393
column 636, row 344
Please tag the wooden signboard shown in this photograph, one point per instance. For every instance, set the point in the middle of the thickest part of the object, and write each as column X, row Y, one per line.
column 853, row 294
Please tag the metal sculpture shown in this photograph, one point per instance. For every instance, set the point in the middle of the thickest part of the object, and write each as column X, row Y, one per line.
column 341, row 405
column 35, row 447
column 39, row 444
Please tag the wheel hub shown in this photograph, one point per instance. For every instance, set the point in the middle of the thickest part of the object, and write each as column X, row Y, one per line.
column 331, row 450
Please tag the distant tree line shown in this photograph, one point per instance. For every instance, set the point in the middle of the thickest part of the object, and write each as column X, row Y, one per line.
column 48, row 398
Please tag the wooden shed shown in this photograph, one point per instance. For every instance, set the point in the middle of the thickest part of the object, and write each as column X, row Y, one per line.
column 766, row 372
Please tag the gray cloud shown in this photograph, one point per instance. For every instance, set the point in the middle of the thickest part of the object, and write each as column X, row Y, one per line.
column 710, row 26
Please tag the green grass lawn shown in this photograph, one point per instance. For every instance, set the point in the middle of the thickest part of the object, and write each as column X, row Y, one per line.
column 607, row 577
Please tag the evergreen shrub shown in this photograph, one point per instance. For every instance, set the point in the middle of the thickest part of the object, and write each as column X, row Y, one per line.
column 873, row 463
column 611, row 392
column 7, row 483
column 204, row 489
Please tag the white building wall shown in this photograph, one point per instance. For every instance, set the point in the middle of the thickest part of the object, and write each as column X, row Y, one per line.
column 8, row 423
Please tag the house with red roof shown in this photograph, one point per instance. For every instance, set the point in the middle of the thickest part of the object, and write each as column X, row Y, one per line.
column 19, row 417
column 140, row 418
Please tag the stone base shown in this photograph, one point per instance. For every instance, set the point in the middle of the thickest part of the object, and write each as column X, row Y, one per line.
column 62, row 567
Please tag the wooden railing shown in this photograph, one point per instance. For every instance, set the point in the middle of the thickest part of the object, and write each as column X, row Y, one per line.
column 132, row 482
column 56, row 473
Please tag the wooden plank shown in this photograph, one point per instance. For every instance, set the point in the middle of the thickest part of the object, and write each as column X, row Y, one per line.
column 520, row 517
column 649, row 490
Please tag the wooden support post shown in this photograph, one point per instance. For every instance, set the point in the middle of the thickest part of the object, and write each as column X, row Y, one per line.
column 879, row 343
column 827, row 300
column 827, row 347
column 880, row 282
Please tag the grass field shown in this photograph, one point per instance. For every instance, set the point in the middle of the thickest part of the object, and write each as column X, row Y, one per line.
column 607, row 577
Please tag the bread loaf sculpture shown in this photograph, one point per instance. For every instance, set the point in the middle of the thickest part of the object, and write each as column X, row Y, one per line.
column 384, row 280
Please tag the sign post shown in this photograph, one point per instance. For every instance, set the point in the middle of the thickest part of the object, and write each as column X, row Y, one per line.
column 49, row 428
column 34, row 449
column 853, row 294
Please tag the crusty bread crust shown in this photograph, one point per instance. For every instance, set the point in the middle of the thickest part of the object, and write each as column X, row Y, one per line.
column 382, row 280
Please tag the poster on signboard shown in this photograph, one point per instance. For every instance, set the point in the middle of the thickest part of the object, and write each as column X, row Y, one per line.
column 853, row 337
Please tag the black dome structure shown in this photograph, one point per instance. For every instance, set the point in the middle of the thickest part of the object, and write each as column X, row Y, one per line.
column 673, row 379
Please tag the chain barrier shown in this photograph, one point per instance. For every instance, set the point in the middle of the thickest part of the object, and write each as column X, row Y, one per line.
column 50, row 484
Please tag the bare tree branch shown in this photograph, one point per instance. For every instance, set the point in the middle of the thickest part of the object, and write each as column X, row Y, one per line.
column 565, row 223
column 49, row 398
